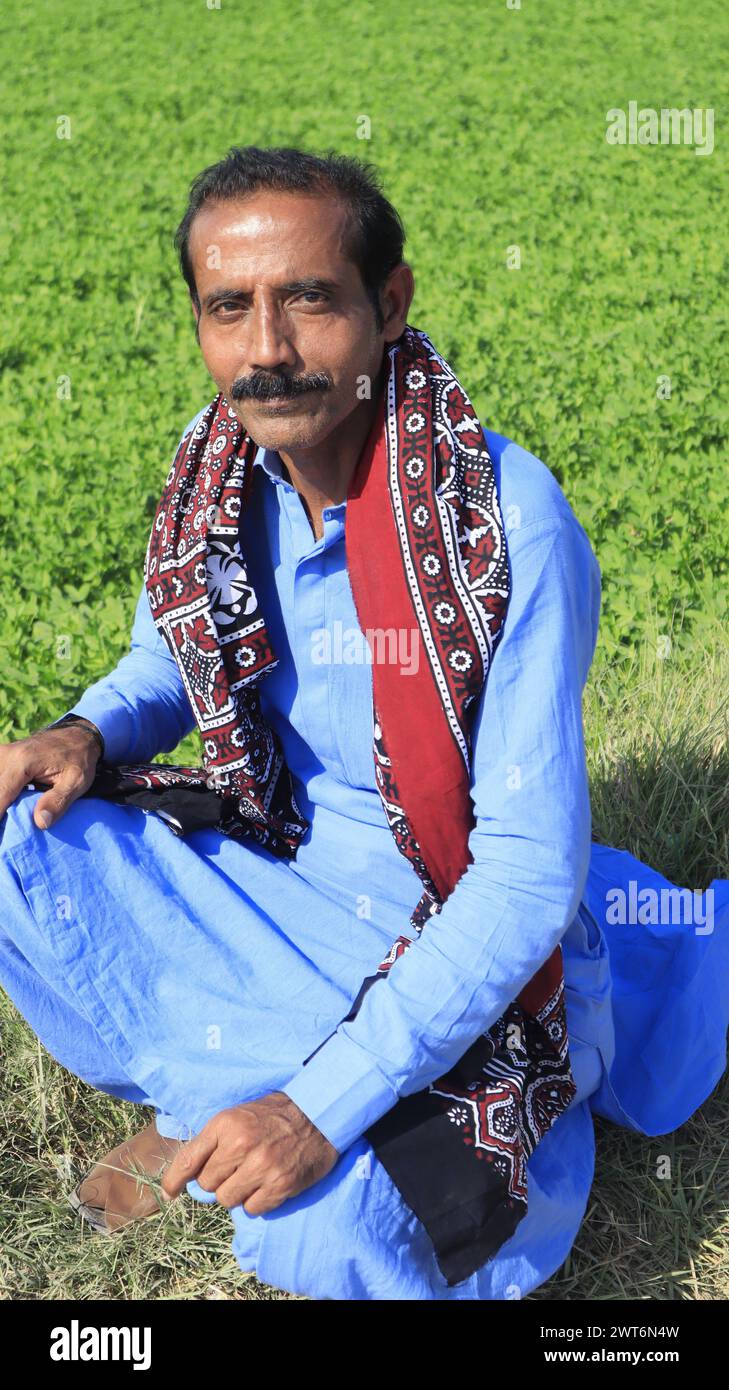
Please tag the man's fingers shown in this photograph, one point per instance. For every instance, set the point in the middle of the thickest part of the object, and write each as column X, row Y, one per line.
column 67, row 786
column 233, row 1175
column 257, row 1188
column 255, row 1194
column 13, row 778
column 61, row 761
column 258, row 1203
column 187, row 1163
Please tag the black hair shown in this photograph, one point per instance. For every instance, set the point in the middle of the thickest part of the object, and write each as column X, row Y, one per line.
column 374, row 232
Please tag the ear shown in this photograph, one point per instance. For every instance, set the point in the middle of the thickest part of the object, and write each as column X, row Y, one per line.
column 398, row 294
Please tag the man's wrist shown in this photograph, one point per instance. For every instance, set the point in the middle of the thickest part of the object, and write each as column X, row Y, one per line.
column 85, row 723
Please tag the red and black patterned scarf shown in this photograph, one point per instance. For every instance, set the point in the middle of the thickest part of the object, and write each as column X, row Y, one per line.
column 426, row 553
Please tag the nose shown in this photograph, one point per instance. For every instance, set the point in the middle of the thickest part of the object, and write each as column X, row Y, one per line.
column 269, row 344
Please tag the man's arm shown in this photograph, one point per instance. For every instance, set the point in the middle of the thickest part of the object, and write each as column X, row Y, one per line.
column 137, row 710
column 530, row 846
column 141, row 708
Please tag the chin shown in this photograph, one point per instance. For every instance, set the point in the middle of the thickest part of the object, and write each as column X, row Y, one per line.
column 278, row 438
column 295, row 431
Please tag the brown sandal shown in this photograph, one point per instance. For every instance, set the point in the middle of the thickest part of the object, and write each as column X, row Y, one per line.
column 153, row 1154
column 98, row 1217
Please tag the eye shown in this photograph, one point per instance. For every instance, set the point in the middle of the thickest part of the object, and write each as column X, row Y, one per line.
column 318, row 294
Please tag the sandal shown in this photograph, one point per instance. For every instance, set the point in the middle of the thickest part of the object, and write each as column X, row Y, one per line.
column 153, row 1154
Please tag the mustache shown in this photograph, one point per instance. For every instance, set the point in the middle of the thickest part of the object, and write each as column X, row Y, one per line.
column 271, row 386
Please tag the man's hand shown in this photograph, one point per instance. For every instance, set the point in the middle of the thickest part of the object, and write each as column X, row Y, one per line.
column 257, row 1154
column 65, row 758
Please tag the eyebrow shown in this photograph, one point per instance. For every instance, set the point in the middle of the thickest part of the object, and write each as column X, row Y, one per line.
column 293, row 287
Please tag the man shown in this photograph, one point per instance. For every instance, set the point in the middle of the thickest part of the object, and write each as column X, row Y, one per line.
column 211, row 974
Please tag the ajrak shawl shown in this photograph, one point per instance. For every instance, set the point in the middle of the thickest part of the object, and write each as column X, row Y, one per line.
column 426, row 550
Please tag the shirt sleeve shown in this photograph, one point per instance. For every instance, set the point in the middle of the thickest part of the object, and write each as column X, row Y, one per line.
column 530, row 844
column 141, row 708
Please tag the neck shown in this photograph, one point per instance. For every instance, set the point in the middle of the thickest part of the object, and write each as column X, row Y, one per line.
column 322, row 475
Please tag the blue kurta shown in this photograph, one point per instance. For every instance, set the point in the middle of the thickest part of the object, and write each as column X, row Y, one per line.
column 195, row 974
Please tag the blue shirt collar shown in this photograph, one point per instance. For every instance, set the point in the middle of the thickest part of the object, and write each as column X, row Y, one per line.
column 271, row 463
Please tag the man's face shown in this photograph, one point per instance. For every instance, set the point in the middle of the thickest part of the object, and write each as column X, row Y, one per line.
column 282, row 311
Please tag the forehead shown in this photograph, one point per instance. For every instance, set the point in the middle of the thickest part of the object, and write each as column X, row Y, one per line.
column 268, row 233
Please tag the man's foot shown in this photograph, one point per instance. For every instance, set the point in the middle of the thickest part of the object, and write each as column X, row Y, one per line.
column 109, row 1198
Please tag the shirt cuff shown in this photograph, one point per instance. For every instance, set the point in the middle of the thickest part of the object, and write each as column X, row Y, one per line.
column 341, row 1090
column 114, row 724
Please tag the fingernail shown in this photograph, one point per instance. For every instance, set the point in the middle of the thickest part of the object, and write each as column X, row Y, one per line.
column 45, row 819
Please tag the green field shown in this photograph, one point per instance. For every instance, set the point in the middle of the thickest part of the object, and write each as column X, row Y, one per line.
column 605, row 354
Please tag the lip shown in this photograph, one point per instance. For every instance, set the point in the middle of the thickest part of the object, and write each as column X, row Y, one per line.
column 283, row 402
